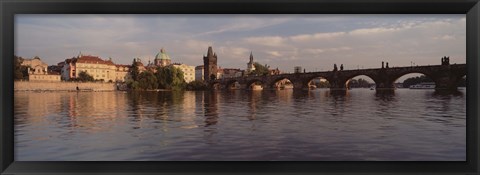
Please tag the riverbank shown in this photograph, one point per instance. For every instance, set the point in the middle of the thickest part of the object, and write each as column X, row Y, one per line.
column 63, row 86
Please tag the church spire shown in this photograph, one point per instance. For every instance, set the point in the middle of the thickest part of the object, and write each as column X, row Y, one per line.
column 251, row 57
column 210, row 51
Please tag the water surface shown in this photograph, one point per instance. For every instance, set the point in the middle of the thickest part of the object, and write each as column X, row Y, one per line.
column 412, row 125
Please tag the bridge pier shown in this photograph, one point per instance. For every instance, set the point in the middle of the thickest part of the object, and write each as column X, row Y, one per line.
column 446, row 84
column 300, row 85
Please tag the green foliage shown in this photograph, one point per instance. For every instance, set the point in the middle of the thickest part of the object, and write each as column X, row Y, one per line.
column 196, row 85
column 170, row 78
column 323, row 84
column 147, row 81
column 134, row 85
column 20, row 72
column 259, row 69
column 416, row 80
column 135, row 71
column 360, row 83
column 164, row 78
column 84, row 76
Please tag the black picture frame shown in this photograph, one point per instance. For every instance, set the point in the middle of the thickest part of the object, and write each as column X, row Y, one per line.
column 9, row 8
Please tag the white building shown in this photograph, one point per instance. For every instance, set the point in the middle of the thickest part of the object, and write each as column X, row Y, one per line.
column 38, row 70
column 188, row 71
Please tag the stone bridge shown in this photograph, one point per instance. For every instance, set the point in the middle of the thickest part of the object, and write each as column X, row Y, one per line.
column 446, row 77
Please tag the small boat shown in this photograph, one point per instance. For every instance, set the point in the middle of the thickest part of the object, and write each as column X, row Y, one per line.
column 424, row 85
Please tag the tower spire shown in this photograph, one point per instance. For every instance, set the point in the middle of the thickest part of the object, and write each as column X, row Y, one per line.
column 251, row 57
column 210, row 51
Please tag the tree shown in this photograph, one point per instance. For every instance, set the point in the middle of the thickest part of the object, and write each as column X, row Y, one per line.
column 134, row 85
column 416, row 80
column 18, row 68
column 170, row 78
column 84, row 76
column 323, row 84
column 360, row 83
column 260, row 69
column 135, row 71
column 147, row 81
column 196, row 85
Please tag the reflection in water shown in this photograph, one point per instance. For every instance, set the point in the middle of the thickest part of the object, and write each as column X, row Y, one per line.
column 211, row 108
column 358, row 124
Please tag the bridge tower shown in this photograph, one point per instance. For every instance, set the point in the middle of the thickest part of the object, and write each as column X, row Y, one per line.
column 210, row 65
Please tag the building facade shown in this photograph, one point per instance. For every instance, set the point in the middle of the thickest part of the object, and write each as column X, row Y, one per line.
column 210, row 65
column 122, row 73
column 199, row 73
column 38, row 70
column 100, row 69
column 96, row 67
column 231, row 73
column 188, row 72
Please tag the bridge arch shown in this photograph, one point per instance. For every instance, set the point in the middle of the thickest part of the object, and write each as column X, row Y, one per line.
column 360, row 81
column 317, row 81
column 411, row 78
column 251, row 84
column 232, row 84
column 280, row 83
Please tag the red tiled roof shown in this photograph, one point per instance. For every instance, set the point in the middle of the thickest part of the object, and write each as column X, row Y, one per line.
column 93, row 60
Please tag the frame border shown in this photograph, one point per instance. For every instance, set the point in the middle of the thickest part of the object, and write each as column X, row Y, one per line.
column 9, row 8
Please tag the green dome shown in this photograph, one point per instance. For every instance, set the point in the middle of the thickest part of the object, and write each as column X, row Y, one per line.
column 162, row 55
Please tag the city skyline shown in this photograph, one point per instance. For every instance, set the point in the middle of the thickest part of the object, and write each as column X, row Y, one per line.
column 315, row 42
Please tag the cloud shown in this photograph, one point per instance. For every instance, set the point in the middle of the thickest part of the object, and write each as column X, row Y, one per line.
column 274, row 53
column 314, row 51
column 244, row 24
column 373, row 31
column 316, row 36
column 274, row 41
column 444, row 37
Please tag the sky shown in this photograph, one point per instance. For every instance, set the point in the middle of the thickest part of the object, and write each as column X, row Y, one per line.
column 314, row 42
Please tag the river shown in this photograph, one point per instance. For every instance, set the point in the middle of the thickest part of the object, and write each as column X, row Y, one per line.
column 409, row 125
